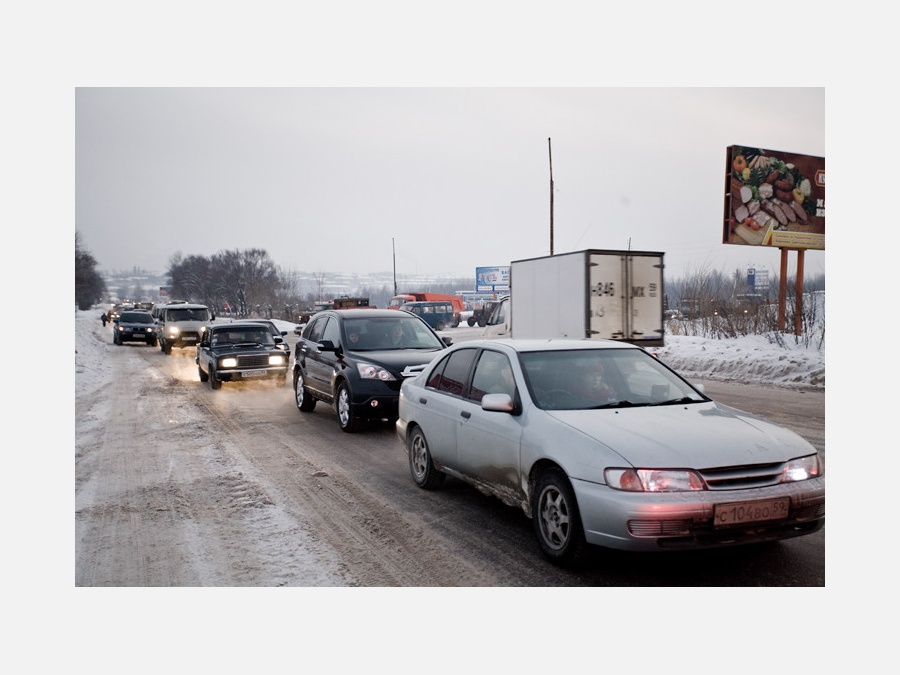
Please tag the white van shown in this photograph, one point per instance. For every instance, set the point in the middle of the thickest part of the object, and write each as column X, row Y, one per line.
column 181, row 324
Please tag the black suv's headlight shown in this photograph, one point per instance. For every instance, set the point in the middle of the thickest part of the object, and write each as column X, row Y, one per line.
column 368, row 371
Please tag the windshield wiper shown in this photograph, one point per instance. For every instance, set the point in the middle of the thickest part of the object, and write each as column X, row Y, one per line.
column 616, row 404
column 675, row 401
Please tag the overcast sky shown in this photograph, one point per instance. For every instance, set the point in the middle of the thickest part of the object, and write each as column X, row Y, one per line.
column 448, row 179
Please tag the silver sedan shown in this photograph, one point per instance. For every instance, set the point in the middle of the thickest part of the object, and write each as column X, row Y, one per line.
column 601, row 443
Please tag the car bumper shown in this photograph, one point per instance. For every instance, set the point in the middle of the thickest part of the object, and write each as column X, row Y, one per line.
column 667, row 521
column 136, row 337
column 400, row 428
column 252, row 374
column 376, row 407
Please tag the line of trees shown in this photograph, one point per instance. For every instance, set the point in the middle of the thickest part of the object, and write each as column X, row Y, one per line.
column 249, row 283
column 709, row 303
column 89, row 285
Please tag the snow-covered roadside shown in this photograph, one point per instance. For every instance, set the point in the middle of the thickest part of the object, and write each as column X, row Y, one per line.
column 753, row 359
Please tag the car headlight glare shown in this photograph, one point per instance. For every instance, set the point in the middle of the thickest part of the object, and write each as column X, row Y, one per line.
column 276, row 360
column 654, row 480
column 367, row 371
column 173, row 330
column 228, row 362
column 802, row 468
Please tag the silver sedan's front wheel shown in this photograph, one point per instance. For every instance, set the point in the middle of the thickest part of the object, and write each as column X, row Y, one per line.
column 557, row 523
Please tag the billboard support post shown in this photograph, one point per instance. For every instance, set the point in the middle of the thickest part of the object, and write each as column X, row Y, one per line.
column 782, row 292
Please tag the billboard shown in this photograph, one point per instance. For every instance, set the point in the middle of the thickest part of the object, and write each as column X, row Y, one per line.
column 774, row 199
column 492, row 279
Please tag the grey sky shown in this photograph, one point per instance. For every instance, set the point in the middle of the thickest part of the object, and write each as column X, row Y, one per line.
column 324, row 179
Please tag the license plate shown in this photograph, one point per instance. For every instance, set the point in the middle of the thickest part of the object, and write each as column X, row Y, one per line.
column 254, row 373
column 738, row 513
column 189, row 339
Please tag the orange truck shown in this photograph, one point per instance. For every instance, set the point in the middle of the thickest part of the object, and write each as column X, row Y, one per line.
column 455, row 300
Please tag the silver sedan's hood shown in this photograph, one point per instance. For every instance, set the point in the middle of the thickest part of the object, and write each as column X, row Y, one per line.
column 695, row 435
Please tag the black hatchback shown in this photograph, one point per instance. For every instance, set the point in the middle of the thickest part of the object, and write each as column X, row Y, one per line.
column 356, row 359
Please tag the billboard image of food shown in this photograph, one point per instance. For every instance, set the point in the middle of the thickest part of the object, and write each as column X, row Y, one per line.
column 774, row 198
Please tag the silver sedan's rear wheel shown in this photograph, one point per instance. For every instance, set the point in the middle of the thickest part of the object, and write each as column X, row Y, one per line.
column 557, row 523
column 421, row 466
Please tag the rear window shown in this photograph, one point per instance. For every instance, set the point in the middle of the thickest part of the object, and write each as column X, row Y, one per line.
column 135, row 317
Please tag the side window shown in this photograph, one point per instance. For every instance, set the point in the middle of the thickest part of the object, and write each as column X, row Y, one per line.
column 315, row 329
column 453, row 379
column 493, row 375
column 501, row 313
column 436, row 374
column 332, row 330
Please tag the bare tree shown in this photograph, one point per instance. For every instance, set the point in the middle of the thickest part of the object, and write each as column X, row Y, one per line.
column 89, row 285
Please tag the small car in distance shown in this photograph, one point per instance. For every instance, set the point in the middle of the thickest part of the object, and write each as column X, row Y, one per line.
column 600, row 443
column 235, row 352
column 356, row 359
column 134, row 326
column 437, row 314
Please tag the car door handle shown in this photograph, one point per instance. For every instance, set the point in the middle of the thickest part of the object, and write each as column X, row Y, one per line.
column 423, row 401
column 465, row 413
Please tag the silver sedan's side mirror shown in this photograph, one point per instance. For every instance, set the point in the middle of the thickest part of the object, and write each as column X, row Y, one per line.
column 497, row 402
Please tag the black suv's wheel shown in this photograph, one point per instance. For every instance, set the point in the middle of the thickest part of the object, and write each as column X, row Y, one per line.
column 471, row 321
column 203, row 376
column 557, row 523
column 305, row 402
column 152, row 342
column 421, row 467
column 214, row 380
column 115, row 337
column 347, row 420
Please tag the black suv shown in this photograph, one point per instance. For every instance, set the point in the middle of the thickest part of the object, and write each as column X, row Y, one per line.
column 235, row 352
column 134, row 326
column 356, row 360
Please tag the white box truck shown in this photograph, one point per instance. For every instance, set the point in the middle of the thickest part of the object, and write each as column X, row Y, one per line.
column 616, row 295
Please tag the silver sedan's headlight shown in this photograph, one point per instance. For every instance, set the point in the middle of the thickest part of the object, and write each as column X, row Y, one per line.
column 653, row 480
column 802, row 468
column 367, row 371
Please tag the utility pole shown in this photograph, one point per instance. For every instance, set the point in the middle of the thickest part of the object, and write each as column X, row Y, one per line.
column 550, row 152
column 394, row 253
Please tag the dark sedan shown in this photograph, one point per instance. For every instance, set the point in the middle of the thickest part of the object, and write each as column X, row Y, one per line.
column 277, row 334
column 356, row 359
column 236, row 352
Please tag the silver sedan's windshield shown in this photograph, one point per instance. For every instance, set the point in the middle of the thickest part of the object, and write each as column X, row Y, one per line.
column 602, row 378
